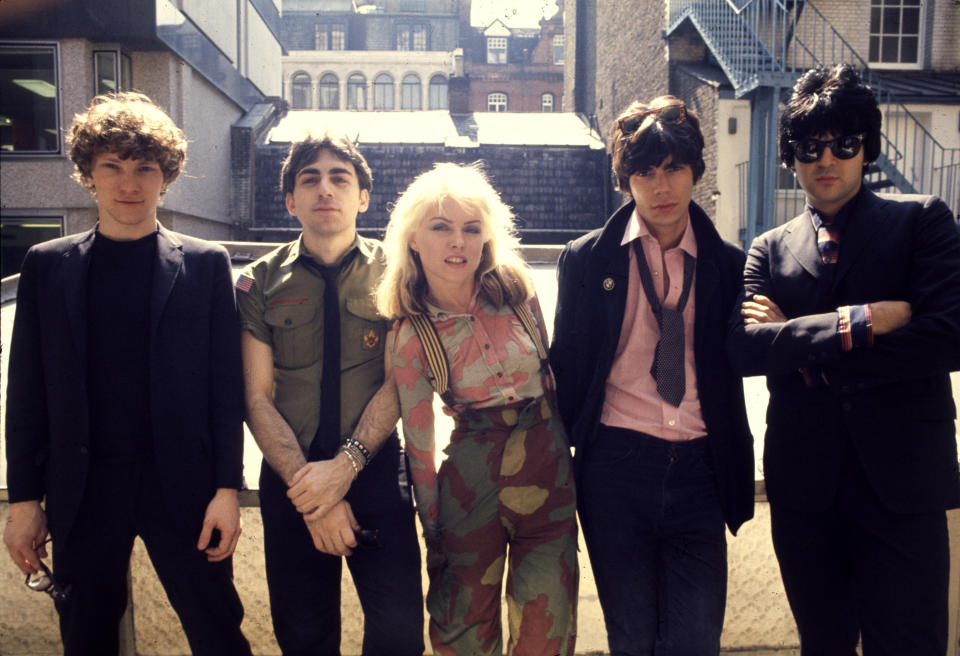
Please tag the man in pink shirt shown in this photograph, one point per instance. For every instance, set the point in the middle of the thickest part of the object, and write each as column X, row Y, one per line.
column 664, row 455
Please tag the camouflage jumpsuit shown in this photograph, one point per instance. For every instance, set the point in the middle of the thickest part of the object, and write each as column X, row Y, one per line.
column 506, row 480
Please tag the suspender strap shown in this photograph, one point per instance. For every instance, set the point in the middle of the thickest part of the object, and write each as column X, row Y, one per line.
column 436, row 355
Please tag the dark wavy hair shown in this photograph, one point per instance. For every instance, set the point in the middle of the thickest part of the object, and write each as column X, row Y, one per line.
column 834, row 101
column 130, row 125
column 304, row 153
column 655, row 140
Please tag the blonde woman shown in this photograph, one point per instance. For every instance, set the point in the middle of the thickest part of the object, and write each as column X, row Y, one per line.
column 503, row 497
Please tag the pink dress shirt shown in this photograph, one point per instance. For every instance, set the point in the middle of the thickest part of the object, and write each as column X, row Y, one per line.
column 631, row 399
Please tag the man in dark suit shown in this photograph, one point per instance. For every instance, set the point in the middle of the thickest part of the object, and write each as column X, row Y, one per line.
column 664, row 456
column 852, row 311
column 124, row 401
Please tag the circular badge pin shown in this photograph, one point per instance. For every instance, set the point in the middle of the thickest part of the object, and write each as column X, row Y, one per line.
column 608, row 284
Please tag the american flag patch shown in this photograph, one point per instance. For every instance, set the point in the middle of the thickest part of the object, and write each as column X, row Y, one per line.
column 244, row 283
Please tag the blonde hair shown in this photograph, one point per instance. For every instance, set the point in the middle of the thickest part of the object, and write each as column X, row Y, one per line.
column 503, row 277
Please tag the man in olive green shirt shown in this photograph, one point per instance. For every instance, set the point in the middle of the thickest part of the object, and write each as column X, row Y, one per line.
column 313, row 353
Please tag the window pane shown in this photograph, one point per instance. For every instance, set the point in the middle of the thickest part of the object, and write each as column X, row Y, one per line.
column 911, row 21
column 28, row 99
column 410, row 94
column 338, row 37
column 300, row 91
column 18, row 235
column 419, row 38
column 890, row 48
column 105, row 72
column 875, row 20
column 908, row 49
column 383, row 92
column 126, row 72
column 891, row 20
column 438, row 92
column 356, row 92
column 874, row 48
column 329, row 92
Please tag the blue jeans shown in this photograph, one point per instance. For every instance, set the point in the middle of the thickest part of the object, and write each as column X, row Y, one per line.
column 654, row 529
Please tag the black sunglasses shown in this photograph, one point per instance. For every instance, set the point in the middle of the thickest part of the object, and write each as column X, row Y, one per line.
column 43, row 581
column 676, row 114
column 809, row 151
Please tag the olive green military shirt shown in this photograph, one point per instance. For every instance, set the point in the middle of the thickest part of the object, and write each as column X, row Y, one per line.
column 281, row 304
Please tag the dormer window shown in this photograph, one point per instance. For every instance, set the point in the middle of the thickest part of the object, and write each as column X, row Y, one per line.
column 496, row 50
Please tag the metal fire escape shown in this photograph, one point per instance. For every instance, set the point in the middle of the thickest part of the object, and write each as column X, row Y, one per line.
column 763, row 46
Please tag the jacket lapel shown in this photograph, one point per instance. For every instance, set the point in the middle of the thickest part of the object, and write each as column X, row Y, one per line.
column 74, row 271
column 706, row 290
column 165, row 273
column 612, row 275
column 801, row 241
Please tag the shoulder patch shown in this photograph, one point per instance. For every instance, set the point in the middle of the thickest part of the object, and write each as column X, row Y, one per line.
column 244, row 283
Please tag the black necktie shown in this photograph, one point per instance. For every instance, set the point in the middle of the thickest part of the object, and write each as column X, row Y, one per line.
column 327, row 439
column 668, row 361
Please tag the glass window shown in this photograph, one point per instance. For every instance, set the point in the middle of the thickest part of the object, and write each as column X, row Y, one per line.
column 496, row 50
column 19, row 234
column 383, row 92
column 111, row 71
column 895, row 32
column 356, row 92
column 496, row 102
column 329, row 36
column 558, row 43
column 410, row 94
column 29, row 113
column 438, row 92
column 546, row 102
column 412, row 36
column 329, row 89
column 300, row 91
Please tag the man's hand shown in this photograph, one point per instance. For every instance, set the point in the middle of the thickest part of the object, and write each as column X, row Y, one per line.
column 761, row 309
column 889, row 316
column 223, row 514
column 318, row 486
column 25, row 534
column 333, row 533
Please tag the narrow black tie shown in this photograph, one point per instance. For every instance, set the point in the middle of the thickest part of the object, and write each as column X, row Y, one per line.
column 327, row 440
column 668, row 359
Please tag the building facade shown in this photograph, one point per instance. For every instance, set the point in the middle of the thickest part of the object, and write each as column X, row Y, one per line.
column 207, row 64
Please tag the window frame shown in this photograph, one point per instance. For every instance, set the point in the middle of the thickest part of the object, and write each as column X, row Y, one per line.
column 324, row 84
column 21, row 216
column 304, row 90
column 922, row 7
column 357, row 90
column 562, row 47
column 122, row 73
column 543, row 104
column 334, row 36
column 379, row 89
column 405, row 90
column 432, row 86
column 54, row 49
column 405, row 36
column 491, row 50
column 493, row 100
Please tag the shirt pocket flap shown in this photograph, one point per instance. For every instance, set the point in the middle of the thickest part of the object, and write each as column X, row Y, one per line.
column 290, row 316
column 363, row 308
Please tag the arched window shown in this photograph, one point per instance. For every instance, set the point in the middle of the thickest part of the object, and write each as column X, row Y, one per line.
column 329, row 92
column 383, row 92
column 300, row 91
column 438, row 92
column 558, row 43
column 356, row 92
column 496, row 102
column 546, row 102
column 410, row 94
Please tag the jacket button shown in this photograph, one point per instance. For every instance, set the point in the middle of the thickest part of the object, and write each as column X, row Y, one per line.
column 84, row 450
column 847, row 406
column 287, row 322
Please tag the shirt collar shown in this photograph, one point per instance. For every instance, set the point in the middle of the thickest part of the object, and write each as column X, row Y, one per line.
column 843, row 215
column 299, row 250
column 637, row 229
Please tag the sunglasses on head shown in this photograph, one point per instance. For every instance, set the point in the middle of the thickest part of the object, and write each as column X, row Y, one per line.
column 809, row 151
column 670, row 114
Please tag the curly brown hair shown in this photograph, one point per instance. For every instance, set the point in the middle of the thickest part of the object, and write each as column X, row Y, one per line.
column 128, row 124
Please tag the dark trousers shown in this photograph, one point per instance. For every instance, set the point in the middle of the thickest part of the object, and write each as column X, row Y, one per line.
column 119, row 504
column 304, row 583
column 654, row 530
column 857, row 570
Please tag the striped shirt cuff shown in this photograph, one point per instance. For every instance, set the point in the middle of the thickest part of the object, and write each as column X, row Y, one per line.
column 855, row 327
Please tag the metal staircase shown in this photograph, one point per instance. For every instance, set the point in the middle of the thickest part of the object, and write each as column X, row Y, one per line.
column 763, row 46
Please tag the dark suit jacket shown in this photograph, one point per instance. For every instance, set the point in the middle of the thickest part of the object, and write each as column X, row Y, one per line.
column 196, row 402
column 587, row 331
column 893, row 400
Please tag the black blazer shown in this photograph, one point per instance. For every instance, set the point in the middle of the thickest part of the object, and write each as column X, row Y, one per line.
column 196, row 400
column 893, row 400
column 587, row 330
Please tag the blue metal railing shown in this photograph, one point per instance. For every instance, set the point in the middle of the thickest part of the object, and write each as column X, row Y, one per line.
column 771, row 42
